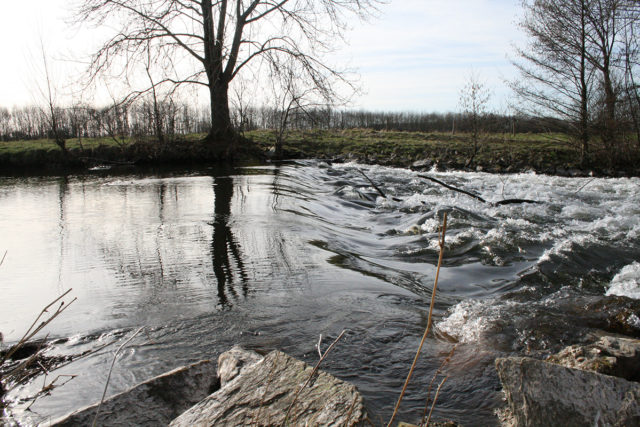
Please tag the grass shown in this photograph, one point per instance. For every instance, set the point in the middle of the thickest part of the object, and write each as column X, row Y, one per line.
column 17, row 147
column 498, row 152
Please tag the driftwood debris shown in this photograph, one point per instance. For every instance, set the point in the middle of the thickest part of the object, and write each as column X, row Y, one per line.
column 373, row 184
column 452, row 188
column 475, row 196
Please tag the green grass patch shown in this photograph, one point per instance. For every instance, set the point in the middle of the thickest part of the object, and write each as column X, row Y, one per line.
column 496, row 151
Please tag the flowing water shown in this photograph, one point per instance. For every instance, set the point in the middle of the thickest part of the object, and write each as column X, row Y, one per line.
column 275, row 256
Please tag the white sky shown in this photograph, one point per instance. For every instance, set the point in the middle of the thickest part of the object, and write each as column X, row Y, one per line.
column 414, row 57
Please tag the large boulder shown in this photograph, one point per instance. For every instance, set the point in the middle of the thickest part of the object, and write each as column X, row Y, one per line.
column 234, row 361
column 152, row 403
column 544, row 394
column 609, row 355
column 262, row 394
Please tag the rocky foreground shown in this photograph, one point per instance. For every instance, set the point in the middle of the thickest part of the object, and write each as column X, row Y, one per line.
column 248, row 389
column 594, row 385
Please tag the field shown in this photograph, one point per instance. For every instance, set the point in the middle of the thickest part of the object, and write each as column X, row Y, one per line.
column 543, row 152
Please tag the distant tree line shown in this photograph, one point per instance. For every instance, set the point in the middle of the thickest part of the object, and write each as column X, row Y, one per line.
column 169, row 119
column 140, row 119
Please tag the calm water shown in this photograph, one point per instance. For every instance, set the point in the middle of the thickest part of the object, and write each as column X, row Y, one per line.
column 272, row 257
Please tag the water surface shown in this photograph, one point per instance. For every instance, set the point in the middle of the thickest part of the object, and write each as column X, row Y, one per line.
column 275, row 256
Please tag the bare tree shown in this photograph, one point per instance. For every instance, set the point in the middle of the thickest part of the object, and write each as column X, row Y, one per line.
column 604, row 18
column 209, row 42
column 579, row 55
column 52, row 113
column 631, row 55
column 557, row 76
column 474, row 98
column 293, row 98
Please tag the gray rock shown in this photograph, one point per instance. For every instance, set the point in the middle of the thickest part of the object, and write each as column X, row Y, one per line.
column 152, row 403
column 609, row 355
column 263, row 392
column 421, row 164
column 232, row 362
column 545, row 394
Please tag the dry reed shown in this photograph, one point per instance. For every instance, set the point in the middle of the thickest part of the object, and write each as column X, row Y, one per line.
column 113, row 362
column 426, row 331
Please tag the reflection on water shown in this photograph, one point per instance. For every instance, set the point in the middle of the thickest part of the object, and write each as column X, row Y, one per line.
column 227, row 257
column 272, row 257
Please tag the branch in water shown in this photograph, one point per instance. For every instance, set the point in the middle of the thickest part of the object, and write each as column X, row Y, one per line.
column 475, row 196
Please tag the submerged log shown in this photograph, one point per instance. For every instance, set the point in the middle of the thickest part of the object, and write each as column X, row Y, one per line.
column 263, row 392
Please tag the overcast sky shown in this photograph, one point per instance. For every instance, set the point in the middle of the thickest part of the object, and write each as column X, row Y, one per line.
column 415, row 56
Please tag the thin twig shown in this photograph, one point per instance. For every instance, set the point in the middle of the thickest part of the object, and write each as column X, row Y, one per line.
column 503, row 184
column 113, row 362
column 3, row 257
column 426, row 331
column 46, row 388
column 313, row 372
column 435, row 399
column 31, row 331
column 576, row 192
column 433, row 379
column 318, row 346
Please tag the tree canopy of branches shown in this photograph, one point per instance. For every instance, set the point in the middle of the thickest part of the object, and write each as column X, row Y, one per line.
column 209, row 43
column 574, row 64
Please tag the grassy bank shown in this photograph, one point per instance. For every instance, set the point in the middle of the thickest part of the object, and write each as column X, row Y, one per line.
column 548, row 153
column 544, row 153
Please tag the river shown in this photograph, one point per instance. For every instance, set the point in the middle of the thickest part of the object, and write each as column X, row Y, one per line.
column 275, row 256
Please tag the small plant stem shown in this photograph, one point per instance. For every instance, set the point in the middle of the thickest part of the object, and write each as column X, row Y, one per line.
column 113, row 362
column 435, row 399
column 426, row 331
column 444, row 363
column 31, row 331
column 313, row 372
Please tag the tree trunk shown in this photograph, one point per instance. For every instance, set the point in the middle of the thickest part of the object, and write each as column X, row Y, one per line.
column 608, row 135
column 221, row 132
column 584, row 88
column 221, row 128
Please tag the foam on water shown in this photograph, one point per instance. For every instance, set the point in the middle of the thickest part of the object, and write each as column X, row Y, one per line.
column 626, row 282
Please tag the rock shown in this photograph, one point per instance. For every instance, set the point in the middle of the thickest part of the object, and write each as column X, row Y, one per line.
column 232, row 362
column 153, row 402
column 615, row 356
column 263, row 392
column 421, row 164
column 544, row 394
column 431, row 423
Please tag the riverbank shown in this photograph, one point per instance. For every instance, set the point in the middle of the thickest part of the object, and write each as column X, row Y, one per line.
column 498, row 153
